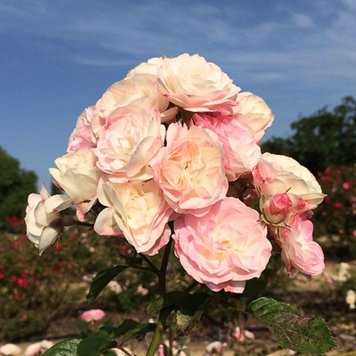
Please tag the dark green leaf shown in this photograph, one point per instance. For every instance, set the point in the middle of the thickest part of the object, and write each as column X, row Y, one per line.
column 83, row 327
column 190, row 311
column 108, row 353
column 125, row 327
column 190, row 302
column 102, row 279
column 290, row 329
column 94, row 344
column 165, row 301
column 139, row 331
column 64, row 348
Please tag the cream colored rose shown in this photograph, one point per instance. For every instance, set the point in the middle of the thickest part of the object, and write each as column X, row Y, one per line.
column 194, row 84
column 130, row 139
column 254, row 113
column 77, row 175
column 43, row 218
column 149, row 68
column 140, row 212
column 278, row 174
column 190, row 169
column 139, row 90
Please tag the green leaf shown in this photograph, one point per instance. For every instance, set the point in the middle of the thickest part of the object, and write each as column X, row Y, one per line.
column 125, row 327
column 64, row 348
column 131, row 329
column 83, row 327
column 290, row 329
column 190, row 308
column 190, row 311
column 189, row 302
column 166, row 301
column 139, row 331
column 95, row 344
column 102, row 279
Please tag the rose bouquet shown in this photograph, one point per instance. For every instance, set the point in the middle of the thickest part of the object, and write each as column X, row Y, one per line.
column 170, row 155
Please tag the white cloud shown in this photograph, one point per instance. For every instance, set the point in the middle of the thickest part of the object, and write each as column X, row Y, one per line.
column 311, row 42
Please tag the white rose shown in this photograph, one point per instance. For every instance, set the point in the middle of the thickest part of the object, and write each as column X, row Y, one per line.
column 254, row 113
column 196, row 85
column 278, row 174
column 77, row 175
column 10, row 349
column 139, row 211
column 43, row 218
column 139, row 90
column 149, row 68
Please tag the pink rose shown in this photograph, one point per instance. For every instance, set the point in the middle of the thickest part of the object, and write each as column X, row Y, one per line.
column 254, row 113
column 241, row 153
column 277, row 208
column 224, row 248
column 194, row 84
column 190, row 169
column 130, row 138
column 92, row 315
column 276, row 174
column 299, row 251
column 82, row 136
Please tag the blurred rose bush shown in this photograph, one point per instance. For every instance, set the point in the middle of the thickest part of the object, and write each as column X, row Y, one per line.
column 35, row 292
column 336, row 215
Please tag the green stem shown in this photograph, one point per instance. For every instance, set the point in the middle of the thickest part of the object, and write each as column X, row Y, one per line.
column 163, row 270
column 156, row 339
column 191, row 286
column 150, row 263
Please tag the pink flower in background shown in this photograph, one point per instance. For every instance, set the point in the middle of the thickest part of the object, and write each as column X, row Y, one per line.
column 241, row 153
column 215, row 347
column 82, row 136
column 241, row 335
column 347, row 185
column 92, row 315
column 224, row 248
column 338, row 206
column 299, row 251
column 190, row 169
column 196, row 85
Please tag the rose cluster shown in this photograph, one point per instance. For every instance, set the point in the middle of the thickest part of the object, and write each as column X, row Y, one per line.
column 177, row 142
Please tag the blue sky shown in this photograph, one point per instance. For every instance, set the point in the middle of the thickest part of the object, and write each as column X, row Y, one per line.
column 58, row 57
